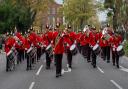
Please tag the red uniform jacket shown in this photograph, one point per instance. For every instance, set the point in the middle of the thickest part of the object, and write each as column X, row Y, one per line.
column 94, row 37
column 9, row 44
column 84, row 39
column 116, row 41
column 26, row 44
column 78, row 37
column 48, row 37
column 102, row 42
column 72, row 36
column 21, row 38
column 59, row 47
column 54, row 35
column 39, row 40
column 67, row 41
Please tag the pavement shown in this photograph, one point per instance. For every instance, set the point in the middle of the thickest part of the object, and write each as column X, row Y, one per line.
column 82, row 76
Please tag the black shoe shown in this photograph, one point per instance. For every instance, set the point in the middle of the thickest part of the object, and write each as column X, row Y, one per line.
column 6, row 70
column 47, row 68
column 113, row 64
column 94, row 66
column 60, row 75
column 104, row 59
column 70, row 67
column 118, row 66
column 27, row 69
column 57, row 75
column 108, row 61
column 88, row 61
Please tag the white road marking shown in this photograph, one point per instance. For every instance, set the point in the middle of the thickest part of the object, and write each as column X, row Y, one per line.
column 32, row 85
column 123, row 69
column 117, row 85
column 38, row 72
column 62, row 71
column 100, row 70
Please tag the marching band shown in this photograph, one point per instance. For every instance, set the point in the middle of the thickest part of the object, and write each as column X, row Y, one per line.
column 55, row 42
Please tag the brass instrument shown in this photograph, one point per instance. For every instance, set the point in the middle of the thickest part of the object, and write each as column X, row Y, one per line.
column 105, row 34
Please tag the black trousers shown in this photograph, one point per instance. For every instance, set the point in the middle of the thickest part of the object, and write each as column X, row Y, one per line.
column 48, row 59
column 20, row 56
column 38, row 53
column 58, row 58
column 69, row 58
column 7, row 64
column 79, row 47
column 94, row 56
column 29, row 62
column 86, row 52
column 115, row 58
column 106, row 53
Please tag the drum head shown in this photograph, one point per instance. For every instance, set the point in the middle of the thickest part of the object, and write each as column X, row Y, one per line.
column 95, row 47
column 9, row 53
column 29, row 49
column 49, row 46
column 72, row 47
column 119, row 48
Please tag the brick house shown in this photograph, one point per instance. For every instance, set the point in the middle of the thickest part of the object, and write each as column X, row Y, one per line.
column 52, row 16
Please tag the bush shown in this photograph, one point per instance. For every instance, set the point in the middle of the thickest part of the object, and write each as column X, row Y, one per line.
column 126, row 48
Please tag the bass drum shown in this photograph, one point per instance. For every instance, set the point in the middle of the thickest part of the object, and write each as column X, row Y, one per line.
column 96, row 49
column 120, row 50
column 73, row 49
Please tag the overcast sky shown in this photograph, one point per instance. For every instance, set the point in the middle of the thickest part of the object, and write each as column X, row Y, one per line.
column 102, row 15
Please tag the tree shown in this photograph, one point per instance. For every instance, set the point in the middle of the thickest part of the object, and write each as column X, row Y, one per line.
column 41, row 7
column 15, row 13
column 78, row 12
column 6, row 20
column 117, row 12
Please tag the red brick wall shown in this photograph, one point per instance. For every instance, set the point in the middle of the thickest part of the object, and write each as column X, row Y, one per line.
column 51, row 14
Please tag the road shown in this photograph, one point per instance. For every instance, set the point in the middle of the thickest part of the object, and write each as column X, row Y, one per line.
column 82, row 76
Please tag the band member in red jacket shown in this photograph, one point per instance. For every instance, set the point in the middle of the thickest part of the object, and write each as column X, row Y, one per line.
column 27, row 45
column 84, row 41
column 115, row 42
column 55, row 34
column 68, row 41
column 58, row 53
column 78, row 40
column 93, row 41
column 9, row 44
column 47, row 41
column 105, row 44
column 39, row 44
column 19, row 42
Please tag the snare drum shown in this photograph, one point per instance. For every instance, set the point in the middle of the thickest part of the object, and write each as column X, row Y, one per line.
column 48, row 48
column 120, row 50
column 10, row 55
column 29, row 50
column 73, row 49
column 96, row 49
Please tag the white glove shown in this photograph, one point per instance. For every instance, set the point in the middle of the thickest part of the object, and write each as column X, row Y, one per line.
column 98, row 41
column 62, row 35
column 75, row 42
column 67, row 44
column 51, row 41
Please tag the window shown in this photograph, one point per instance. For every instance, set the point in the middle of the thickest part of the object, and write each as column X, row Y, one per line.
column 49, row 10
column 58, row 19
column 48, row 20
column 53, row 10
column 53, row 21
